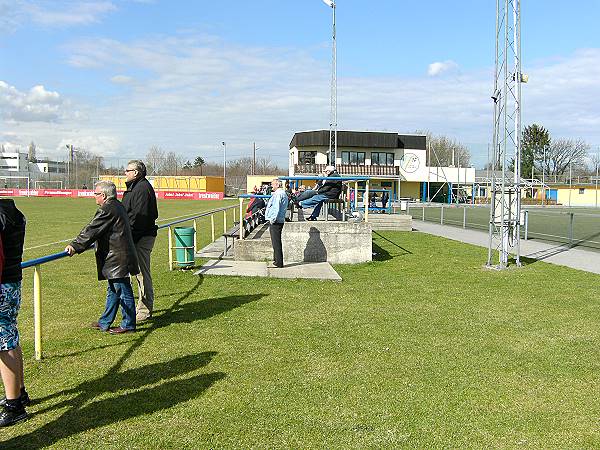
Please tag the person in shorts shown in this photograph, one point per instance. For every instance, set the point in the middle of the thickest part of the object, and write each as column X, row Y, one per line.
column 12, row 236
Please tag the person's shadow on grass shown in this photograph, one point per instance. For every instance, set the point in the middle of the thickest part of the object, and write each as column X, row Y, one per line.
column 85, row 414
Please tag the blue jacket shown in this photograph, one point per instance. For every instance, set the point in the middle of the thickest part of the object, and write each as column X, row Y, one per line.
column 277, row 207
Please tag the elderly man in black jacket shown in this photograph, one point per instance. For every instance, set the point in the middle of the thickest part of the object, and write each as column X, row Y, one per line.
column 139, row 201
column 116, row 257
column 329, row 189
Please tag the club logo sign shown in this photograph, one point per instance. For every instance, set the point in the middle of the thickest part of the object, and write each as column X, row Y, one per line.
column 409, row 163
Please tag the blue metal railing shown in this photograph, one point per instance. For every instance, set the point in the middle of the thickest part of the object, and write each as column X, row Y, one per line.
column 37, row 262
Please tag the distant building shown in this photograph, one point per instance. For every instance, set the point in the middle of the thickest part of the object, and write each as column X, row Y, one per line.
column 13, row 162
column 17, row 164
column 397, row 162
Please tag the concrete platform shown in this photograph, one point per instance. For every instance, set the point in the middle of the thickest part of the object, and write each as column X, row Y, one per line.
column 316, row 271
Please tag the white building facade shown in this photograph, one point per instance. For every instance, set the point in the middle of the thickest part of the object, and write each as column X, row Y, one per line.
column 395, row 162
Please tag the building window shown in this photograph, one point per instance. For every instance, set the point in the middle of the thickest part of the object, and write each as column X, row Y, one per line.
column 382, row 159
column 582, row 190
column 307, row 157
column 353, row 158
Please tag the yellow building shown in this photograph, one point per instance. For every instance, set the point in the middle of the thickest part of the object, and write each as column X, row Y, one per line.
column 174, row 183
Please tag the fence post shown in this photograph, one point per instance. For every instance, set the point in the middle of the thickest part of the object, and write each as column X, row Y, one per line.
column 224, row 221
column 571, row 229
column 526, row 224
column 170, row 237
column 212, row 226
column 233, row 216
column 442, row 215
column 195, row 239
column 37, row 311
column 464, row 217
column 423, row 213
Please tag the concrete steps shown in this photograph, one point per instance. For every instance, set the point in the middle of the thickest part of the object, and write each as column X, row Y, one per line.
column 395, row 222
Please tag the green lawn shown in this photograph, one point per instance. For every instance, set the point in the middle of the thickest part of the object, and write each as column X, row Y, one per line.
column 421, row 348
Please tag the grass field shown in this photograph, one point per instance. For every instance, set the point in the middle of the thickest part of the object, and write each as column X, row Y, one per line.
column 423, row 347
column 549, row 224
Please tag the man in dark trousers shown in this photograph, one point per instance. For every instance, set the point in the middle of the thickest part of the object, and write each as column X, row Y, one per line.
column 116, row 258
column 12, row 236
column 139, row 201
column 275, row 215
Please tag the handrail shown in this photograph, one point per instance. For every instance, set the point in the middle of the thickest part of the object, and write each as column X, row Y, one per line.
column 43, row 259
column 204, row 214
column 37, row 263
column 59, row 255
column 253, row 196
column 340, row 178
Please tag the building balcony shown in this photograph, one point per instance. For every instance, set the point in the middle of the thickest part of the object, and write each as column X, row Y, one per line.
column 348, row 169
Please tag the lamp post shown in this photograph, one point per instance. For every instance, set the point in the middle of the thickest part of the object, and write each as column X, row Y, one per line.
column 224, row 165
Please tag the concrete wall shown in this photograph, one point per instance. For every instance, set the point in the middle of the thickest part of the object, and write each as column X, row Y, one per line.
column 335, row 242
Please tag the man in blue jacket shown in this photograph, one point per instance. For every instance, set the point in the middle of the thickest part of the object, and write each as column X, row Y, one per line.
column 275, row 215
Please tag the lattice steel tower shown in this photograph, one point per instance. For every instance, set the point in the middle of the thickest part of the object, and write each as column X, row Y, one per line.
column 333, row 100
column 505, row 210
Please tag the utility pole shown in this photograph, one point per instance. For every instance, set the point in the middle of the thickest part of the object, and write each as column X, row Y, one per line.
column 254, row 158
column 224, row 165
column 333, row 98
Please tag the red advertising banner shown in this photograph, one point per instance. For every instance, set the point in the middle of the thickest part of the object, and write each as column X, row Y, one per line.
column 76, row 193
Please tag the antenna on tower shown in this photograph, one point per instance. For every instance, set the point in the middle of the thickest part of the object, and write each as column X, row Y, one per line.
column 505, row 209
column 333, row 100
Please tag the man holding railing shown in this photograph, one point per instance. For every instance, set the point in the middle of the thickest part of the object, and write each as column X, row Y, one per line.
column 116, row 257
column 12, row 236
column 139, row 201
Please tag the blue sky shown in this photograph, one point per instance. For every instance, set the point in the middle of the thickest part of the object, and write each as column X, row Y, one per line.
column 118, row 76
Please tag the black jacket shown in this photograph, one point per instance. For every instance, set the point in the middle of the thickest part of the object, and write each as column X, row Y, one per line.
column 115, row 251
column 12, row 236
column 331, row 188
column 139, row 201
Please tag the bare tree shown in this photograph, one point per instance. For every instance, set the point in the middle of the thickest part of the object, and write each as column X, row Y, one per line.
column 154, row 160
column 563, row 153
column 31, row 152
column 446, row 151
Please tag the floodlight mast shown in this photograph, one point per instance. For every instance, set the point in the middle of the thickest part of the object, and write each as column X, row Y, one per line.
column 505, row 208
column 333, row 100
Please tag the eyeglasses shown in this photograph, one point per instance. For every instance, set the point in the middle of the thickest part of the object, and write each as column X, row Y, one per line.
column 130, row 170
column 98, row 193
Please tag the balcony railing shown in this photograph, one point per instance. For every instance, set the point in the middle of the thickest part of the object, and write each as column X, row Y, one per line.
column 347, row 169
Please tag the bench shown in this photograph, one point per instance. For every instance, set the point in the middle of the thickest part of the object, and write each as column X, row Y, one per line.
column 337, row 205
column 233, row 233
column 248, row 224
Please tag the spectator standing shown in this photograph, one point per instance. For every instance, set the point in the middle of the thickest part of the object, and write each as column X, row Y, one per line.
column 275, row 215
column 116, row 257
column 139, row 201
column 12, row 236
column 385, row 196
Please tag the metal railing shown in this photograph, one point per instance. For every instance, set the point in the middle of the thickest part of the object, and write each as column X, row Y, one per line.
column 570, row 226
column 38, row 262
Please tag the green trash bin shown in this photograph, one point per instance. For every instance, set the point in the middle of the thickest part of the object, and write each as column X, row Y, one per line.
column 184, row 246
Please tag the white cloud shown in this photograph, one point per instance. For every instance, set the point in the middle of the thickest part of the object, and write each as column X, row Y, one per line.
column 438, row 68
column 56, row 14
column 37, row 104
column 198, row 91
column 121, row 79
